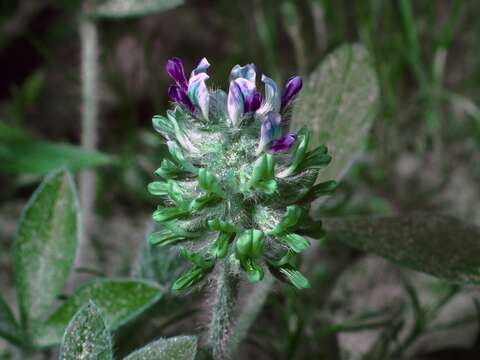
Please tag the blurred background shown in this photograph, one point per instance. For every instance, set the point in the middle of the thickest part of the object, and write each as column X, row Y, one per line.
column 422, row 154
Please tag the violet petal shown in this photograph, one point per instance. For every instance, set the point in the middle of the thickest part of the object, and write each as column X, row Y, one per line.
column 284, row 144
column 176, row 72
column 292, row 88
column 179, row 96
column 252, row 102
column 270, row 130
column 202, row 67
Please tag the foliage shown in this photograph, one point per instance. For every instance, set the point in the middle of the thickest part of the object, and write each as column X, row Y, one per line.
column 119, row 9
column 422, row 242
column 44, row 254
column 339, row 104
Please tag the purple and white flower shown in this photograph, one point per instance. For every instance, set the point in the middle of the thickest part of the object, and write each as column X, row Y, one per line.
column 193, row 92
column 270, row 130
column 243, row 97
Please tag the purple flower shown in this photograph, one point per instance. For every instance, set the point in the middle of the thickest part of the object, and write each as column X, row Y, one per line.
column 270, row 130
column 177, row 73
column 284, row 144
column 292, row 88
column 179, row 96
column 243, row 98
column 193, row 92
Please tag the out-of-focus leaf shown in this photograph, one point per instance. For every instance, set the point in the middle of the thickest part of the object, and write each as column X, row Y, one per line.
column 119, row 300
column 38, row 157
column 87, row 336
column 438, row 245
column 176, row 348
column 338, row 104
column 45, row 246
column 159, row 263
column 11, row 133
column 9, row 328
column 117, row 9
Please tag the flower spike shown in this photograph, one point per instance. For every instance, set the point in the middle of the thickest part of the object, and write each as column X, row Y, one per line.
column 235, row 186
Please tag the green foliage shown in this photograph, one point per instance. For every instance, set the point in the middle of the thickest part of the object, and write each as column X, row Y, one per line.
column 87, row 336
column 118, row 9
column 119, row 301
column 24, row 97
column 338, row 105
column 9, row 328
column 27, row 156
column 45, row 245
column 176, row 348
column 441, row 246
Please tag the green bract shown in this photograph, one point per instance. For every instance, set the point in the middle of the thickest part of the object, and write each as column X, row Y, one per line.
column 233, row 189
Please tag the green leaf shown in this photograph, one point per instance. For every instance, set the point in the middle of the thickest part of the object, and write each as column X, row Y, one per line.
column 45, row 246
column 87, row 336
column 290, row 218
column 295, row 242
column 338, row 104
column 438, row 245
column 26, row 156
column 209, row 182
column 9, row 328
column 176, row 348
column 169, row 213
column 117, row 9
column 190, row 278
column 294, row 276
column 120, row 300
column 164, row 237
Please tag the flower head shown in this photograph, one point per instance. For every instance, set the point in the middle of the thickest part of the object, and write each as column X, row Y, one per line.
column 237, row 184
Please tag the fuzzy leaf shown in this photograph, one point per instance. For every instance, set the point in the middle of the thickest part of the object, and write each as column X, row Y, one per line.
column 9, row 328
column 438, row 245
column 87, row 336
column 118, row 9
column 296, row 242
column 290, row 218
column 295, row 277
column 190, row 278
column 119, row 300
column 164, row 237
column 176, row 348
column 39, row 157
column 338, row 104
column 45, row 246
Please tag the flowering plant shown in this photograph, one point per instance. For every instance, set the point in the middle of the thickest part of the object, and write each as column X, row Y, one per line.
column 238, row 186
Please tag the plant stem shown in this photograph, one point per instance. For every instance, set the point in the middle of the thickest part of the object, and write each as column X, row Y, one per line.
column 252, row 308
column 89, row 78
column 223, row 316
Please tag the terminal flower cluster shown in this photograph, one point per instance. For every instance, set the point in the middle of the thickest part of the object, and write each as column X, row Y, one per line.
column 237, row 185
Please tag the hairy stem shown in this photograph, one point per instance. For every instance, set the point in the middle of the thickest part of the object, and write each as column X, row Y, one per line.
column 89, row 78
column 223, row 316
column 252, row 308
